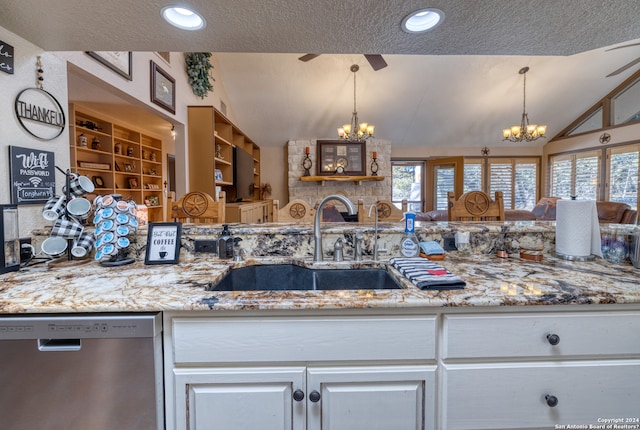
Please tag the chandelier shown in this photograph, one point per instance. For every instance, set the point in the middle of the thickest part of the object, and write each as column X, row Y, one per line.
column 524, row 131
column 356, row 131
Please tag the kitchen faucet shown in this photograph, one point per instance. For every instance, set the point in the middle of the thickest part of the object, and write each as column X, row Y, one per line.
column 317, row 254
column 375, row 232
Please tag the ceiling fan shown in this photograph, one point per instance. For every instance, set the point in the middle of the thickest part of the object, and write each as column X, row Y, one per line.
column 626, row 66
column 376, row 60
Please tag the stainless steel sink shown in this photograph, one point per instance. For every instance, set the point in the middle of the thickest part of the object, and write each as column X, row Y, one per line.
column 291, row 277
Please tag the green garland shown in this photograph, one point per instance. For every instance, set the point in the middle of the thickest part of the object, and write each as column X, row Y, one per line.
column 198, row 70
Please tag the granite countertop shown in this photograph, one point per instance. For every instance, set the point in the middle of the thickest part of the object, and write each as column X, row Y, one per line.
column 490, row 281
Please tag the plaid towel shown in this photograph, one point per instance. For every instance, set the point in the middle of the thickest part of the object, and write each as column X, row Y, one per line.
column 426, row 274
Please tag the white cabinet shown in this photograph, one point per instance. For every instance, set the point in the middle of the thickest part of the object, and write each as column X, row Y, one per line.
column 517, row 371
column 453, row 369
column 370, row 398
column 295, row 398
column 239, row 398
column 316, row 373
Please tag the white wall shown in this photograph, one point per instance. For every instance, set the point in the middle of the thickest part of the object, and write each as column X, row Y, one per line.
column 12, row 133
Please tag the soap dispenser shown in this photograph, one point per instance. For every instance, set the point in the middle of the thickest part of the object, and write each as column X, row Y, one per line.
column 409, row 246
column 225, row 243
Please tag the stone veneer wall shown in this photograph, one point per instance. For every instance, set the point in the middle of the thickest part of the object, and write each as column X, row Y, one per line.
column 313, row 192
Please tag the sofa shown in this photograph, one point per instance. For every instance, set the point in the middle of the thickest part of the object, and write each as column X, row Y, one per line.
column 545, row 210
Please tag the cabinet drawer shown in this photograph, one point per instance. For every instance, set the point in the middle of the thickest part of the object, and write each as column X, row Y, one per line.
column 519, row 335
column 241, row 340
column 513, row 396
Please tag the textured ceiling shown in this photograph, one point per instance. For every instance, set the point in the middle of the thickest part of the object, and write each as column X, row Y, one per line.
column 457, row 85
column 472, row 27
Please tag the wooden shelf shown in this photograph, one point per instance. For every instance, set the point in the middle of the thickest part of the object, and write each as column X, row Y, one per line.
column 115, row 140
column 335, row 178
column 212, row 139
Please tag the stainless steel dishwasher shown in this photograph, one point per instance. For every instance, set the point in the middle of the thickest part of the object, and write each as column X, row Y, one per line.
column 81, row 372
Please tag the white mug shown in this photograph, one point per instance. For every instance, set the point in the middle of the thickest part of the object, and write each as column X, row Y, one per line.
column 54, row 246
column 53, row 208
column 79, row 208
column 79, row 185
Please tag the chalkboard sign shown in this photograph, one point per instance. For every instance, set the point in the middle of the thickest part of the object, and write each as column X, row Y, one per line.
column 33, row 178
column 6, row 58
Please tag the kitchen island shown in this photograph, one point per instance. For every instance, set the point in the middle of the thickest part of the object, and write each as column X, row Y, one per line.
column 525, row 345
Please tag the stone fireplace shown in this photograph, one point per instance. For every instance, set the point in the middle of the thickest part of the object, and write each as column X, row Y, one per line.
column 313, row 192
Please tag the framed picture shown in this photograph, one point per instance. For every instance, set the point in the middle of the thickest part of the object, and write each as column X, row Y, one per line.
column 118, row 61
column 163, row 88
column 128, row 167
column 98, row 182
column 133, row 183
column 337, row 157
column 163, row 243
column 90, row 165
column 218, row 175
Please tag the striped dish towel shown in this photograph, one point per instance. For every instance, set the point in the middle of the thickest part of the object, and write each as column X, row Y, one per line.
column 427, row 275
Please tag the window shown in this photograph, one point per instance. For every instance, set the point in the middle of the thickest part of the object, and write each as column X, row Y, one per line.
column 622, row 184
column 575, row 175
column 626, row 106
column 623, row 104
column 518, row 179
column 593, row 122
column 407, row 184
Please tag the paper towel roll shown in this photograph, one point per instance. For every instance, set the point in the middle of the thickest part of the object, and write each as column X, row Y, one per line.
column 577, row 228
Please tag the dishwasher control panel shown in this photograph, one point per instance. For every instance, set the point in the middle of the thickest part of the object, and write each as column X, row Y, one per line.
column 85, row 326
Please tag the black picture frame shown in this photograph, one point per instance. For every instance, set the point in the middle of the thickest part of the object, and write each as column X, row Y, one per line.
column 128, row 167
column 163, row 88
column 98, row 182
column 118, row 61
column 351, row 155
column 163, row 243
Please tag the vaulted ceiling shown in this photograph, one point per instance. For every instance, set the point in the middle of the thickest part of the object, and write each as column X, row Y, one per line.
column 455, row 86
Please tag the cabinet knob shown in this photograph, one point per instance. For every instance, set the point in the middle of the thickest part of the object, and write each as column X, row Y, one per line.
column 298, row 395
column 553, row 339
column 552, row 401
column 314, row 396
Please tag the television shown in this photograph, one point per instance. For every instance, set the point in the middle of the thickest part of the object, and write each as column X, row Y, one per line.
column 242, row 173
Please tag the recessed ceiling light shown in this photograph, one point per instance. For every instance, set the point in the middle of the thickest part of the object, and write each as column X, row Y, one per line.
column 422, row 20
column 183, row 18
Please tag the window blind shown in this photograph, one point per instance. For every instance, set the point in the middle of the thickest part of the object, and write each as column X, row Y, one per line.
column 501, row 179
column 623, row 175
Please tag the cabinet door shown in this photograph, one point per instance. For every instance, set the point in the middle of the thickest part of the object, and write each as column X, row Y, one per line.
column 371, row 398
column 239, row 398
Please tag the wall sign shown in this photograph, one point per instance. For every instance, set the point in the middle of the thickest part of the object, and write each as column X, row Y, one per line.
column 163, row 243
column 39, row 113
column 33, row 178
column 6, row 57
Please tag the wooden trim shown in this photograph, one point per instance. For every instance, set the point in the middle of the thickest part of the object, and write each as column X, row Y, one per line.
column 458, row 178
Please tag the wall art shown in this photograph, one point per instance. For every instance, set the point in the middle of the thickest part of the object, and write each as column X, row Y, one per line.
column 163, row 88
column 118, row 61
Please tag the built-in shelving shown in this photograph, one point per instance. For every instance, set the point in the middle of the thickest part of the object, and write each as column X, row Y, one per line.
column 118, row 158
column 212, row 138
